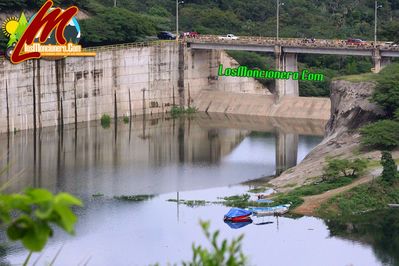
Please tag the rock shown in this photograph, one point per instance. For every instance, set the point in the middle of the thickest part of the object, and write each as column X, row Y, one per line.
column 350, row 107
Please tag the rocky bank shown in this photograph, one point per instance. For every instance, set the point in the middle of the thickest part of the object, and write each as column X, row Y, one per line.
column 350, row 109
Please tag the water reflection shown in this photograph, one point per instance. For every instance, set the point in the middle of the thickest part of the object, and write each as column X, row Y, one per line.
column 155, row 155
column 200, row 158
column 380, row 229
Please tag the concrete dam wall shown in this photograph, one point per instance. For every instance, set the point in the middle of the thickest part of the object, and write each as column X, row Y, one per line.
column 120, row 80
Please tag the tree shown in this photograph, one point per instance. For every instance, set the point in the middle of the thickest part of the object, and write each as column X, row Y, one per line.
column 383, row 134
column 336, row 168
column 386, row 93
column 390, row 170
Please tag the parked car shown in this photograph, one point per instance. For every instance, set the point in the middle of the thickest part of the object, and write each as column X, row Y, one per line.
column 190, row 34
column 166, row 35
column 308, row 40
column 357, row 42
column 228, row 37
column 391, row 44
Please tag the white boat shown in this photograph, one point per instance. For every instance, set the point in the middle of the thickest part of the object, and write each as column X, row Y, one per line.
column 276, row 210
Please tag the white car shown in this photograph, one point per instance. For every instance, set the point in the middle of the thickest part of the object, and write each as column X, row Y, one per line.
column 228, row 37
column 391, row 44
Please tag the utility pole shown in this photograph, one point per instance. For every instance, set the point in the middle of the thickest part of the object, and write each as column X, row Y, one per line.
column 278, row 18
column 376, row 6
column 177, row 20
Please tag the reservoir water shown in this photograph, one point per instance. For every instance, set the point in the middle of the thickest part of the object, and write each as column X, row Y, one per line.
column 198, row 158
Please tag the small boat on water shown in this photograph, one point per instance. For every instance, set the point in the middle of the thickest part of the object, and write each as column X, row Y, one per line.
column 237, row 215
column 240, row 224
column 276, row 210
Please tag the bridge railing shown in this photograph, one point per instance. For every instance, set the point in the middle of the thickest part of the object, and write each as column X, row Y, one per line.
column 126, row 45
column 291, row 42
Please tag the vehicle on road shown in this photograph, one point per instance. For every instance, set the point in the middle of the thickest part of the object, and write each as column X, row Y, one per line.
column 166, row 35
column 190, row 34
column 308, row 40
column 391, row 44
column 357, row 42
column 228, row 37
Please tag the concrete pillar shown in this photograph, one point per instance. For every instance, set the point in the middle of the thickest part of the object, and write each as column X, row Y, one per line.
column 286, row 62
column 286, row 151
column 376, row 61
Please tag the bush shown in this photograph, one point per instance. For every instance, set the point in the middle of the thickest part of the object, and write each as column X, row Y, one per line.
column 387, row 90
column 390, row 170
column 223, row 253
column 383, row 135
column 125, row 119
column 336, row 168
column 29, row 216
column 105, row 121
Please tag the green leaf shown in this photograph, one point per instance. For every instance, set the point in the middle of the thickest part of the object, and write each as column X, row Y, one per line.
column 19, row 228
column 39, row 195
column 67, row 199
column 36, row 239
column 68, row 219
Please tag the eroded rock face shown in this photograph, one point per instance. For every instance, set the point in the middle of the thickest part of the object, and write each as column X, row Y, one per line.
column 350, row 107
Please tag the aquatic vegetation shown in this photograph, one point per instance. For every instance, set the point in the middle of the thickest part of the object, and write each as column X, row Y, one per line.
column 105, row 121
column 134, row 197
column 178, row 111
column 191, row 203
column 97, row 195
column 258, row 189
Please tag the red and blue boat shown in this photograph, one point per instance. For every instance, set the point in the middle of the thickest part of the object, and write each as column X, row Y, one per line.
column 237, row 215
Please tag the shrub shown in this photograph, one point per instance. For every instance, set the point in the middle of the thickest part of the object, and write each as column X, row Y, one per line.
column 396, row 116
column 125, row 119
column 386, row 93
column 224, row 253
column 390, row 170
column 336, row 168
column 29, row 216
column 383, row 135
column 105, row 121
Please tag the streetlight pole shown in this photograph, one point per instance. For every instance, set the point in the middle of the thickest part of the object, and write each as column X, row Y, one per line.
column 278, row 18
column 177, row 20
column 376, row 6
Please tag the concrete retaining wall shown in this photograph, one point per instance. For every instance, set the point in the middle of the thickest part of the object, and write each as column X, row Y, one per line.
column 82, row 89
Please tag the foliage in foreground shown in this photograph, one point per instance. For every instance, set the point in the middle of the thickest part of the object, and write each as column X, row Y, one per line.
column 382, row 135
column 28, row 216
column 224, row 253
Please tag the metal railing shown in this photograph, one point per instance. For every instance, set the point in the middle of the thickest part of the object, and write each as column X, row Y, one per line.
column 292, row 42
column 127, row 45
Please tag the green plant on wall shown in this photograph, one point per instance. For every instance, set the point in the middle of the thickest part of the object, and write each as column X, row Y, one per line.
column 105, row 121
